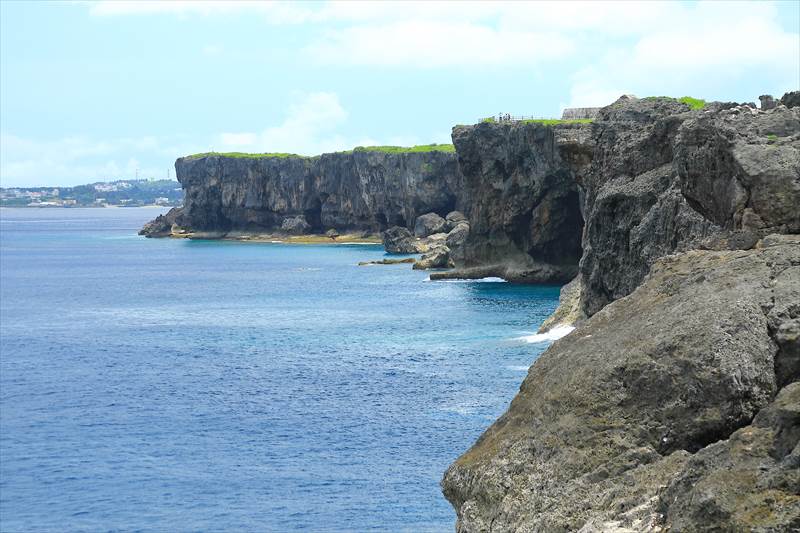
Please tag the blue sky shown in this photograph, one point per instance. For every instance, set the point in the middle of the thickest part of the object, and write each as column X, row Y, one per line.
column 96, row 90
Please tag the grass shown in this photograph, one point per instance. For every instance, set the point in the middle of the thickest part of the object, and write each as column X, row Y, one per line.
column 384, row 149
column 407, row 149
column 693, row 103
column 556, row 121
column 242, row 155
column 543, row 121
column 772, row 137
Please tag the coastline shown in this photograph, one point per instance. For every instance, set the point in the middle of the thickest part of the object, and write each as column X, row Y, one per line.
column 273, row 238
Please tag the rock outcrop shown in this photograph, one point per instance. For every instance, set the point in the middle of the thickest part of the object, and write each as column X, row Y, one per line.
column 363, row 190
column 397, row 240
column 429, row 224
column 665, row 179
column 674, row 385
column 673, row 406
column 522, row 199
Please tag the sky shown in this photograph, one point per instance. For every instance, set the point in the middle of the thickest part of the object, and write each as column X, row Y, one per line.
column 96, row 91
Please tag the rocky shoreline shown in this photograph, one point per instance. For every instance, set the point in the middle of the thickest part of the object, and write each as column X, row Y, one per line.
column 674, row 405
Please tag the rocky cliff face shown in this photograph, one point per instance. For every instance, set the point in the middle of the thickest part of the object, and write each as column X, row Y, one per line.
column 360, row 190
column 675, row 406
column 522, row 199
column 665, row 179
column 656, row 390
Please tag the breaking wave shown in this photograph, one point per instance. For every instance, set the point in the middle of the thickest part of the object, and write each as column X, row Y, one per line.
column 549, row 335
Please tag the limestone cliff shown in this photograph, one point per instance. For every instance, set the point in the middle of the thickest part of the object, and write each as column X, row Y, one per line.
column 522, row 199
column 362, row 190
column 642, row 419
column 675, row 406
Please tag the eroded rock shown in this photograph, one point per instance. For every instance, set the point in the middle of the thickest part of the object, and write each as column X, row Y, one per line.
column 611, row 413
column 397, row 240
column 429, row 224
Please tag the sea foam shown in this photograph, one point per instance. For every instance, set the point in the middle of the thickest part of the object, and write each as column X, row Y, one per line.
column 549, row 335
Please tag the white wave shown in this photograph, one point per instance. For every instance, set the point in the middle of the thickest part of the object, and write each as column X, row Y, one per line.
column 549, row 335
column 518, row 368
column 478, row 280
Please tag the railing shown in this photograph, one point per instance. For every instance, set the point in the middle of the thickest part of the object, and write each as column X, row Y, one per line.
column 505, row 117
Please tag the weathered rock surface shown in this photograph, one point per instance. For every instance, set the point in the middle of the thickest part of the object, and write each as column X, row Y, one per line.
column 749, row 482
column 791, row 99
column 295, row 225
column 436, row 257
column 361, row 190
column 569, row 311
column 522, row 199
column 409, row 260
column 429, row 224
column 454, row 218
column 665, row 179
column 458, row 236
column 635, row 399
column 397, row 240
column 162, row 225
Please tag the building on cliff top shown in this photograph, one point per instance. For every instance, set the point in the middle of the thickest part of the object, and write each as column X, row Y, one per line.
column 577, row 113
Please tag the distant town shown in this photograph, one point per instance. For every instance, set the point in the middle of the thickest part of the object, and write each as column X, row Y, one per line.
column 121, row 193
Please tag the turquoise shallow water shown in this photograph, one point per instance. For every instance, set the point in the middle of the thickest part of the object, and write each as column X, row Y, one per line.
column 172, row 385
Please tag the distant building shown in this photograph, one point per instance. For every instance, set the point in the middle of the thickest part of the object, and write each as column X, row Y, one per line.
column 579, row 113
column 161, row 200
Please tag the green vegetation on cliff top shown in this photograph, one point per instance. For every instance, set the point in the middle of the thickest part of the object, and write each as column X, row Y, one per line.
column 555, row 121
column 693, row 103
column 242, row 155
column 406, row 149
column 543, row 121
column 385, row 149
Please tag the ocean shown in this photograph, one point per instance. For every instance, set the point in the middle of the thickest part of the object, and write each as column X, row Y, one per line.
column 174, row 385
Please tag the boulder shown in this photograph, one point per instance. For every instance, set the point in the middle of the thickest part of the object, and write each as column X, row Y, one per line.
column 296, row 225
column 162, row 225
column 767, row 102
column 791, row 99
column 332, row 233
column 458, row 235
column 399, row 240
column 568, row 312
column 438, row 257
column 454, row 218
column 749, row 482
column 428, row 224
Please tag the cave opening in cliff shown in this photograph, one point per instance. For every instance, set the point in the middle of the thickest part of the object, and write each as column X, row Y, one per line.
column 382, row 221
column 313, row 215
column 552, row 231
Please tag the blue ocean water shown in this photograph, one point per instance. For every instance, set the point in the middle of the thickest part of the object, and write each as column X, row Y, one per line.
column 174, row 385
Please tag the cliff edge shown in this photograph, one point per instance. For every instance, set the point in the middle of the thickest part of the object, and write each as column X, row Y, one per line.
column 675, row 403
column 363, row 190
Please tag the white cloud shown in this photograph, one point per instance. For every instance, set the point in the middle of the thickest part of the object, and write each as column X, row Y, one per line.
column 696, row 48
column 430, row 44
column 78, row 160
column 278, row 12
column 466, row 34
column 308, row 130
